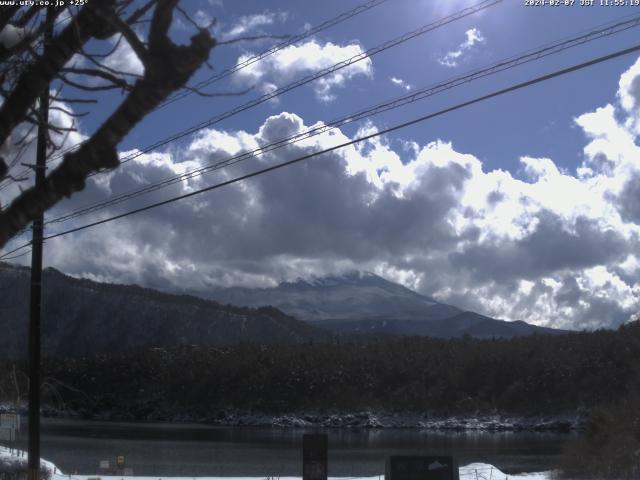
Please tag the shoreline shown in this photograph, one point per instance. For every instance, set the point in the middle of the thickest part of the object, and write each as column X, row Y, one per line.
column 345, row 420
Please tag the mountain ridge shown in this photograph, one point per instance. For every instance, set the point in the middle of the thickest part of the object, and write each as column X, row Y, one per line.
column 356, row 303
column 81, row 316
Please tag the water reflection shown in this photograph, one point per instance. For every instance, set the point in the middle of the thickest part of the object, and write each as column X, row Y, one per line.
column 195, row 450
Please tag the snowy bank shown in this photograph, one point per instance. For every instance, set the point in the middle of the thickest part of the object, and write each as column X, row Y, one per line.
column 473, row 471
column 362, row 419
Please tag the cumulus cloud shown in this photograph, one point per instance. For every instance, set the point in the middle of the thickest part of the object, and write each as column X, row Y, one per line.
column 547, row 246
column 298, row 60
column 453, row 57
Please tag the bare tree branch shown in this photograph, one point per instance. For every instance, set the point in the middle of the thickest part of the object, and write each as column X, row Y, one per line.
column 89, row 22
column 193, row 22
column 27, row 16
column 130, row 36
column 91, row 56
column 96, row 72
column 6, row 14
column 25, row 43
column 69, row 113
column 93, row 88
column 169, row 68
column 139, row 13
column 76, row 100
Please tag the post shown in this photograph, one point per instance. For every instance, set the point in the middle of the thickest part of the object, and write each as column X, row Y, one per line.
column 36, row 280
column 314, row 456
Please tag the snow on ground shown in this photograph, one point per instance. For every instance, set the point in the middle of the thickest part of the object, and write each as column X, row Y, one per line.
column 473, row 471
column 13, row 458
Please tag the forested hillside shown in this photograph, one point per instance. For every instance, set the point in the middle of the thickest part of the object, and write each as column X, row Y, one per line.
column 81, row 317
column 528, row 375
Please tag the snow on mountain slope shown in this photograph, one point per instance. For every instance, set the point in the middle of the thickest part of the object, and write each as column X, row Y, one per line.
column 358, row 303
column 354, row 295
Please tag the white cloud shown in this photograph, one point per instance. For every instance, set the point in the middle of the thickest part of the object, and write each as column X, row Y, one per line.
column 124, row 59
column 251, row 23
column 16, row 156
column 297, row 60
column 203, row 19
column 400, row 83
column 453, row 57
column 553, row 248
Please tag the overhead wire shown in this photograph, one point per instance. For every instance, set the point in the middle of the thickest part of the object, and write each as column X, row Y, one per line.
column 482, row 5
column 287, row 43
column 500, row 66
column 497, row 93
column 359, row 9
column 5, row 182
column 465, row 12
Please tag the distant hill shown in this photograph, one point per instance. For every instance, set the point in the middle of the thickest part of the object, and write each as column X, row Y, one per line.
column 85, row 317
column 364, row 303
column 352, row 296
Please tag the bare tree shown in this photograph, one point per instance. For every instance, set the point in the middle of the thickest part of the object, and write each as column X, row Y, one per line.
column 29, row 66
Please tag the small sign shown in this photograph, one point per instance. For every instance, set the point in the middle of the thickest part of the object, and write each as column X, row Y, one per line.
column 104, row 465
column 314, row 456
column 440, row 467
column 7, row 434
column 128, row 472
column 10, row 420
column 120, row 461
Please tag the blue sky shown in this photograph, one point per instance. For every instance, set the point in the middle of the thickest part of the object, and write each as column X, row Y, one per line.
column 522, row 207
column 525, row 121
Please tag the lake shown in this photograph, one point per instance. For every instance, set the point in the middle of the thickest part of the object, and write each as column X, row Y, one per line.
column 77, row 446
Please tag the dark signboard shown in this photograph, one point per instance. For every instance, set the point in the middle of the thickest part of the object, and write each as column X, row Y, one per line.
column 314, row 456
column 437, row 467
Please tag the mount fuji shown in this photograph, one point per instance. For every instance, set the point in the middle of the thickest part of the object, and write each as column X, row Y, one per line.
column 362, row 302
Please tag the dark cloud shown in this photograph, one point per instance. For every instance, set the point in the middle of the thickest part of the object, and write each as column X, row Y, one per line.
column 553, row 246
column 628, row 200
column 319, row 217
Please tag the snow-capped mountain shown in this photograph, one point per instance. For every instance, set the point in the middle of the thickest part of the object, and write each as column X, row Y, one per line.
column 352, row 296
column 362, row 302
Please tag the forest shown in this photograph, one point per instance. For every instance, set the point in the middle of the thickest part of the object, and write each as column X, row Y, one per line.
column 595, row 374
column 538, row 374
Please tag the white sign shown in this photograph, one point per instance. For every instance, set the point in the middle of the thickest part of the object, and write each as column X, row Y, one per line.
column 128, row 472
column 7, row 434
column 104, row 464
column 10, row 420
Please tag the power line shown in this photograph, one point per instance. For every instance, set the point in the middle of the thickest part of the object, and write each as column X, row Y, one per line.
column 17, row 256
column 38, row 44
column 511, row 62
column 266, row 53
column 459, row 106
column 251, row 60
column 315, row 76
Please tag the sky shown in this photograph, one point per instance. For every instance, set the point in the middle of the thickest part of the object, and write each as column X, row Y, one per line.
column 521, row 207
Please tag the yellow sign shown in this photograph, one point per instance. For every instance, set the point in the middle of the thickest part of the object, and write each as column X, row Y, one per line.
column 120, row 461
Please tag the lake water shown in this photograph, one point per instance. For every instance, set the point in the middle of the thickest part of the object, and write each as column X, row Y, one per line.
column 196, row 450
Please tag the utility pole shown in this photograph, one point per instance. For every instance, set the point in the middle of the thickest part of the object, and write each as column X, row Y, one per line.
column 36, row 278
